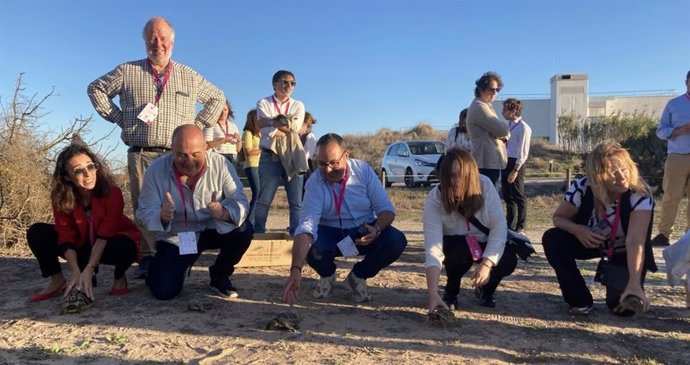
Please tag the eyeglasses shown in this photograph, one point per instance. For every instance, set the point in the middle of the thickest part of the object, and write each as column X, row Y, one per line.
column 496, row 90
column 288, row 82
column 332, row 164
column 81, row 170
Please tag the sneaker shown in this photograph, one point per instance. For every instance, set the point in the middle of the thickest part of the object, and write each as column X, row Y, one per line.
column 581, row 311
column 324, row 287
column 143, row 272
column 450, row 300
column 484, row 300
column 660, row 240
column 359, row 288
column 223, row 286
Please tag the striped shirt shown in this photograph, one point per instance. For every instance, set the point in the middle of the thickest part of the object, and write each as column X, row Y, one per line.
column 134, row 84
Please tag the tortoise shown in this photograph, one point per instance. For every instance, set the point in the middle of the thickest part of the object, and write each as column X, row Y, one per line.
column 196, row 305
column 442, row 316
column 76, row 302
column 283, row 321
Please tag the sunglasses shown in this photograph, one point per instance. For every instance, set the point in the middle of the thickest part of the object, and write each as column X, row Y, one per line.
column 332, row 164
column 288, row 82
column 81, row 170
column 496, row 90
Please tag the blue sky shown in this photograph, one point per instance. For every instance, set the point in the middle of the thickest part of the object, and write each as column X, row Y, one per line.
column 360, row 65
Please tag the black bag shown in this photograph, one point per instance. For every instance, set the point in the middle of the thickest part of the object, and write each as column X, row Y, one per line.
column 518, row 242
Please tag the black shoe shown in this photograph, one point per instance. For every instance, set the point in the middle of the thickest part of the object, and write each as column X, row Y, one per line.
column 484, row 300
column 660, row 240
column 223, row 286
column 451, row 301
column 144, row 267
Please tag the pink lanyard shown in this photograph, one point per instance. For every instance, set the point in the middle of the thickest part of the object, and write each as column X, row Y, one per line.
column 338, row 200
column 614, row 228
column 225, row 131
column 178, row 180
column 287, row 106
column 467, row 222
column 160, row 84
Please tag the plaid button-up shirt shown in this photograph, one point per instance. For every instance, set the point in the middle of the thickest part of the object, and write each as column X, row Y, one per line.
column 134, row 83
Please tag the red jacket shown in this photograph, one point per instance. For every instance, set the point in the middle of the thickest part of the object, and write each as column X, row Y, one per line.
column 108, row 220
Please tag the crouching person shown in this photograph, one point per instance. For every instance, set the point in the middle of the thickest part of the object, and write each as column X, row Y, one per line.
column 345, row 212
column 607, row 215
column 193, row 200
column 452, row 213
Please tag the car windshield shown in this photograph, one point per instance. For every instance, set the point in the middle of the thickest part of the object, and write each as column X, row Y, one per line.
column 426, row 148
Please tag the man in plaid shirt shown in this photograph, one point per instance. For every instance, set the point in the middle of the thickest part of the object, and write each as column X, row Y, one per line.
column 156, row 95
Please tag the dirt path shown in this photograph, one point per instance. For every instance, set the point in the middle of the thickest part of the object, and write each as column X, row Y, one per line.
column 529, row 324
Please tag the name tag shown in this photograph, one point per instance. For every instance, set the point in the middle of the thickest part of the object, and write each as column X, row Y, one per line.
column 187, row 243
column 148, row 114
column 475, row 249
column 347, row 247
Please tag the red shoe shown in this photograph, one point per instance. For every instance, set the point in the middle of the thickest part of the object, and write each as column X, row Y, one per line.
column 118, row 292
column 45, row 296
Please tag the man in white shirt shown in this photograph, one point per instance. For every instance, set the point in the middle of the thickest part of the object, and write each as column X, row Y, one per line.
column 513, row 176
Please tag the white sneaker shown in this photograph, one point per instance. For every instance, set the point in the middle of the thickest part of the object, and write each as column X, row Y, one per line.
column 359, row 288
column 324, row 287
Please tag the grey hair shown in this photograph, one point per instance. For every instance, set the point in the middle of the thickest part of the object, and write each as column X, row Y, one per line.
column 147, row 27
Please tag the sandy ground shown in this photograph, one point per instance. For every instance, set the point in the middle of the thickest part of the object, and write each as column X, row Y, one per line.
column 529, row 324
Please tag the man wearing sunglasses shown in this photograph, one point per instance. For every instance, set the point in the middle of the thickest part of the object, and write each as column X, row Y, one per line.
column 346, row 213
column 282, row 160
column 156, row 94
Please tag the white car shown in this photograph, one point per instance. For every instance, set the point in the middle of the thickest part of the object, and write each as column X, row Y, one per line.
column 411, row 162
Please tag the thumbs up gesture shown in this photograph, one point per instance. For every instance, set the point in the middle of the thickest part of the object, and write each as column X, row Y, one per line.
column 217, row 211
column 167, row 209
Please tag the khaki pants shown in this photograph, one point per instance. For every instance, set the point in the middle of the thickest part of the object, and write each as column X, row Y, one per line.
column 676, row 183
column 137, row 163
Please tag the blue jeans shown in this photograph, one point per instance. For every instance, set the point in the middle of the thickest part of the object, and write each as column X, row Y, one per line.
column 382, row 252
column 271, row 175
column 252, row 174
column 169, row 269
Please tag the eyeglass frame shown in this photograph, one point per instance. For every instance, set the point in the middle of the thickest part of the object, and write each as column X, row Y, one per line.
column 81, row 170
column 289, row 82
column 331, row 164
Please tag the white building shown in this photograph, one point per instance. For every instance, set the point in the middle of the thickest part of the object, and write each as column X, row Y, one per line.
column 570, row 95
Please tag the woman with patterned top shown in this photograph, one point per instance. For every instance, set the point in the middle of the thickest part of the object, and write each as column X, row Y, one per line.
column 607, row 215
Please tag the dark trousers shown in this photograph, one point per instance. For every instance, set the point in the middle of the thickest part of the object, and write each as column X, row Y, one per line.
column 385, row 249
column 562, row 249
column 458, row 261
column 120, row 251
column 169, row 269
column 492, row 174
column 514, row 196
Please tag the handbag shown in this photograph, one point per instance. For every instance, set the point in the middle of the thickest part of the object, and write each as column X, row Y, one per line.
column 518, row 242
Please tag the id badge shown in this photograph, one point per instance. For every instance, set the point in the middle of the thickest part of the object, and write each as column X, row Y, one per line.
column 187, row 243
column 475, row 249
column 347, row 247
column 148, row 114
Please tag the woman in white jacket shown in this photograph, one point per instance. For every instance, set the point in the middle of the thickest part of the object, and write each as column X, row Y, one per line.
column 452, row 240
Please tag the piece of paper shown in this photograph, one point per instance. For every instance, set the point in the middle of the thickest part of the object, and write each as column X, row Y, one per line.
column 347, row 247
column 187, row 243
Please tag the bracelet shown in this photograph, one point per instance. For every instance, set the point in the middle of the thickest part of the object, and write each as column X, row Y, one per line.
column 487, row 265
column 297, row 267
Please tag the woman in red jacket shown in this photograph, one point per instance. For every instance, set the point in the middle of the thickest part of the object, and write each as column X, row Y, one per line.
column 90, row 226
